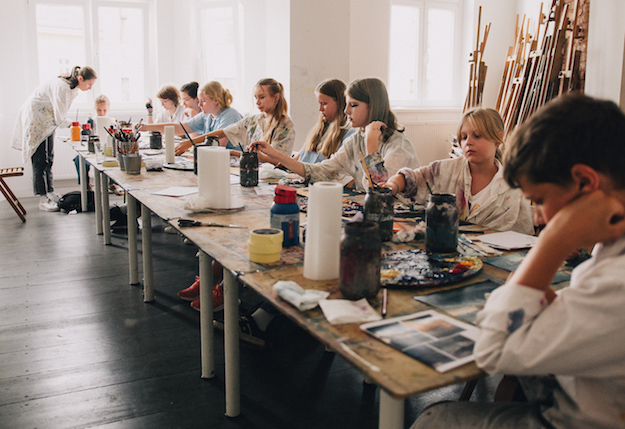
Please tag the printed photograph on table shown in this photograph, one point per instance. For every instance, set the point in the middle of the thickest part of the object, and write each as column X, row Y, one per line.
column 432, row 338
column 416, row 267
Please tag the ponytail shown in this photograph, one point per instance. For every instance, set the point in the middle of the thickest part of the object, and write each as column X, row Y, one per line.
column 87, row 73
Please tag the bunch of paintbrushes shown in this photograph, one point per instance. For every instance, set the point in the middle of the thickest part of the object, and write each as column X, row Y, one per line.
column 127, row 140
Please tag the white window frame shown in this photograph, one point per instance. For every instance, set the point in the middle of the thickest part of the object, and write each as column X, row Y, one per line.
column 457, row 98
column 91, row 44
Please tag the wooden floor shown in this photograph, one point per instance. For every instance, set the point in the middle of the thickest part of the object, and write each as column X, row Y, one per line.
column 80, row 349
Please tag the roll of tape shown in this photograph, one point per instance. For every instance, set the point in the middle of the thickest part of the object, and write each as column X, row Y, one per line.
column 265, row 245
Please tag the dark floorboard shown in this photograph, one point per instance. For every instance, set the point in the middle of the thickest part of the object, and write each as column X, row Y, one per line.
column 79, row 348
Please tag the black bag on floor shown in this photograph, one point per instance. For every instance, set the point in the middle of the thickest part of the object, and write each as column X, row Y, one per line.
column 72, row 201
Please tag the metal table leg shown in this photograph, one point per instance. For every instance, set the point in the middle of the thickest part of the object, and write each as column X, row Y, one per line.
column 391, row 411
column 133, row 263
column 82, row 171
column 97, row 187
column 207, row 336
column 231, row 344
column 106, row 214
column 146, row 236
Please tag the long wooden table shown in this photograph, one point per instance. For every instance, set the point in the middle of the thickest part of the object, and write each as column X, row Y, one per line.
column 398, row 375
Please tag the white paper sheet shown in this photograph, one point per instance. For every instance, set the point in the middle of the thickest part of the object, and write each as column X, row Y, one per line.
column 177, row 191
column 508, row 240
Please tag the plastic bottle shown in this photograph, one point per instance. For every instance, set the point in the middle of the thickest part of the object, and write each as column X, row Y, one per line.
column 285, row 214
column 75, row 128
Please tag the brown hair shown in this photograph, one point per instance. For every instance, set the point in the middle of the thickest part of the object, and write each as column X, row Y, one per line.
column 87, row 73
column 280, row 111
column 169, row 92
column 488, row 123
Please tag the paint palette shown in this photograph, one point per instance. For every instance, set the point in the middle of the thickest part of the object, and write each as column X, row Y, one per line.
column 417, row 267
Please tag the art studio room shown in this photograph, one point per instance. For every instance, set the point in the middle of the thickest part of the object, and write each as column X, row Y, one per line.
column 312, row 214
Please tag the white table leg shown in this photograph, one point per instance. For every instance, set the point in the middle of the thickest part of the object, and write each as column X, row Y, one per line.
column 82, row 171
column 97, row 177
column 106, row 214
column 133, row 263
column 148, row 271
column 391, row 411
column 231, row 344
column 207, row 335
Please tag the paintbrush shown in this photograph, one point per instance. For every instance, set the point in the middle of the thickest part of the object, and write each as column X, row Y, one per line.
column 186, row 133
column 428, row 185
column 364, row 166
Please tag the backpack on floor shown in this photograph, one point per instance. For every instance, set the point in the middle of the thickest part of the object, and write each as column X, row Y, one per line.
column 72, row 201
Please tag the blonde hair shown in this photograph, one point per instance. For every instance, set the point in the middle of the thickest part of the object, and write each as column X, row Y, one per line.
column 102, row 99
column 280, row 111
column 169, row 92
column 326, row 137
column 488, row 123
column 373, row 92
column 215, row 91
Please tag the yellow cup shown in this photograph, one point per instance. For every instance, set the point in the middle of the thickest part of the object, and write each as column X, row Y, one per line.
column 264, row 245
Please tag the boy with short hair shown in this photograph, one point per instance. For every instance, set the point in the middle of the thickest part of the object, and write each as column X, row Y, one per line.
column 567, row 158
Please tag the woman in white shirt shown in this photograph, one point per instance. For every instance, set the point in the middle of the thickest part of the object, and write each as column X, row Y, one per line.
column 40, row 115
column 173, row 109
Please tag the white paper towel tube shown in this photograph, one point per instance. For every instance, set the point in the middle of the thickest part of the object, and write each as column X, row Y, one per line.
column 102, row 123
column 323, row 231
column 213, row 176
column 170, row 155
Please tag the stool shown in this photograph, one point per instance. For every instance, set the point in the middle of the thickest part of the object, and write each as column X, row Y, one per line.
column 8, row 194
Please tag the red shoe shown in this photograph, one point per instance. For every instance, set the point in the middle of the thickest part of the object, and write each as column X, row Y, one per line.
column 192, row 292
column 218, row 299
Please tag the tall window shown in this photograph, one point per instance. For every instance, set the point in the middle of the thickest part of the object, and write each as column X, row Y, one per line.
column 220, row 24
column 108, row 35
column 424, row 53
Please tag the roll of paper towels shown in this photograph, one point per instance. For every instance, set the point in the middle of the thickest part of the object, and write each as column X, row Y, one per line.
column 103, row 123
column 323, row 231
column 213, row 171
column 170, row 154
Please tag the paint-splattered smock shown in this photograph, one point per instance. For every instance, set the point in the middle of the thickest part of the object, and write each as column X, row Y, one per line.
column 252, row 128
column 397, row 152
column 579, row 337
column 504, row 209
column 41, row 114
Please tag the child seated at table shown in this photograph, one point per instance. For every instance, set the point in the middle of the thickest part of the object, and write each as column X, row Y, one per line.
column 567, row 347
column 101, row 105
column 482, row 195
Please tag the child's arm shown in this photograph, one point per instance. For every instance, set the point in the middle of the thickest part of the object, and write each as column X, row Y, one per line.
column 591, row 218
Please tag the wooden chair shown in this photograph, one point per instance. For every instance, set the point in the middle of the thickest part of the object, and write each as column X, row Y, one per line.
column 8, row 194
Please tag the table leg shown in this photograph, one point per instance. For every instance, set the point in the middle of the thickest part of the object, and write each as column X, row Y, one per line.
column 146, row 237
column 207, row 337
column 82, row 171
column 97, row 187
column 231, row 344
column 133, row 263
column 106, row 214
column 391, row 411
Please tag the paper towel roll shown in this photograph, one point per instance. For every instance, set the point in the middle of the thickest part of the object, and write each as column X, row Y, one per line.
column 323, row 231
column 170, row 155
column 102, row 123
column 213, row 176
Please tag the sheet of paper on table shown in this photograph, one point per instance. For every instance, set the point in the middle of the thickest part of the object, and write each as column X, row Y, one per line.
column 508, row 240
column 177, row 191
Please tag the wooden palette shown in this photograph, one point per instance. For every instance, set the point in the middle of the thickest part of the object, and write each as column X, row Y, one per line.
column 415, row 267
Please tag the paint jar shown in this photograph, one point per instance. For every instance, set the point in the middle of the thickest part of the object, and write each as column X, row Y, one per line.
column 132, row 163
column 441, row 219
column 264, row 245
column 75, row 128
column 156, row 140
column 285, row 214
column 248, row 169
column 84, row 134
column 359, row 272
column 379, row 209
column 91, row 144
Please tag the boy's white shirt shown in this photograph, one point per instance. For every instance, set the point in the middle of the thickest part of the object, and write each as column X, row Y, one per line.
column 505, row 208
column 579, row 337
column 164, row 116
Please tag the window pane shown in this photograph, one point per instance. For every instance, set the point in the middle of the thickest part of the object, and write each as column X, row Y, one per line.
column 439, row 67
column 60, row 39
column 403, row 53
column 219, row 49
column 121, row 46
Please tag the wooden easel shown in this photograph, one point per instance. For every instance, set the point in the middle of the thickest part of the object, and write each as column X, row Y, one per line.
column 477, row 69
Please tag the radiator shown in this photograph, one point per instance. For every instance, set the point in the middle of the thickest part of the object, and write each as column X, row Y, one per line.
column 63, row 167
column 431, row 139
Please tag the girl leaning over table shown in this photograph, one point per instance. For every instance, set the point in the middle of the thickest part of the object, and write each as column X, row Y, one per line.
column 271, row 125
column 482, row 195
column 39, row 116
column 214, row 101
column 379, row 140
